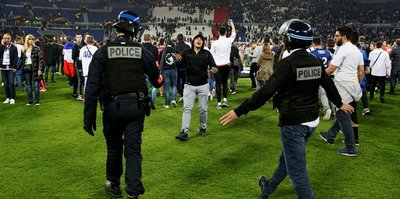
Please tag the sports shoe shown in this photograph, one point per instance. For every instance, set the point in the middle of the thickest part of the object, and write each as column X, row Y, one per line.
column 37, row 104
column 262, row 183
column 12, row 101
column 356, row 142
column 233, row 92
column 324, row 136
column 42, row 90
column 203, row 132
column 182, row 136
column 113, row 189
column 80, row 98
column 132, row 197
column 225, row 104
column 180, row 99
column 366, row 111
column 29, row 104
column 173, row 102
column 74, row 95
column 327, row 115
column 166, row 106
column 219, row 105
column 348, row 152
column 7, row 101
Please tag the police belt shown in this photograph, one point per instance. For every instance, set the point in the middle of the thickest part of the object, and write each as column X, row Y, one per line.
column 128, row 96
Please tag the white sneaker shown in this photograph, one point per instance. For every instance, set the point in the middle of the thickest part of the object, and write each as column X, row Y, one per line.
column 166, row 106
column 6, row 101
column 180, row 99
column 327, row 115
column 12, row 101
column 173, row 103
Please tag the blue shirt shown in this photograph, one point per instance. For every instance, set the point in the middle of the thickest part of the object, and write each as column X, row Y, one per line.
column 324, row 55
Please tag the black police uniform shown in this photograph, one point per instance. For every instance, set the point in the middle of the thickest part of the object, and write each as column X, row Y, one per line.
column 295, row 82
column 117, row 78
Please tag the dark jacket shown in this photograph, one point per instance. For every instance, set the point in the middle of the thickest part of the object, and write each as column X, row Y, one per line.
column 196, row 65
column 37, row 62
column 50, row 54
column 152, row 49
column 13, row 56
column 395, row 57
column 75, row 50
column 295, row 84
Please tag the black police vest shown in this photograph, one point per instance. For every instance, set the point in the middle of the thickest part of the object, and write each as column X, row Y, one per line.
column 298, row 102
column 124, row 71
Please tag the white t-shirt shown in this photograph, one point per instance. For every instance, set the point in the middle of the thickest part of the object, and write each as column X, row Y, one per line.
column 221, row 49
column 380, row 64
column 6, row 58
column 19, row 48
column 85, row 55
column 347, row 59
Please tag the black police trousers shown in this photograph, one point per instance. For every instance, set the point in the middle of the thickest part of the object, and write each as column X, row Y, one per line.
column 123, row 121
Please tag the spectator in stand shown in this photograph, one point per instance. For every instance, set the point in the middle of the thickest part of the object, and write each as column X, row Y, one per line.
column 50, row 57
column 8, row 67
column 32, row 65
column 395, row 57
column 380, row 70
column 221, row 51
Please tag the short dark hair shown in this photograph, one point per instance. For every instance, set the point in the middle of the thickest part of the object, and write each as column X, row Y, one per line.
column 398, row 42
column 379, row 44
column 180, row 37
column 345, row 31
column 361, row 39
column 330, row 43
column 275, row 40
column 222, row 30
column 317, row 41
column 354, row 38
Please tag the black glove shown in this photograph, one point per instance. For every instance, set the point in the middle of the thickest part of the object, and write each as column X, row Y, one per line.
column 90, row 127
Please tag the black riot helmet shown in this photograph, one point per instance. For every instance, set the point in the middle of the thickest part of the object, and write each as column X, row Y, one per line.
column 296, row 34
column 129, row 23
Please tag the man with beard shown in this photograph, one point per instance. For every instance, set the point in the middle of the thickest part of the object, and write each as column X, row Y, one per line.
column 349, row 64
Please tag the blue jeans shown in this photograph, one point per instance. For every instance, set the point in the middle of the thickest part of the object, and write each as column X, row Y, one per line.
column 52, row 71
column 343, row 122
column 29, row 90
column 20, row 82
column 293, row 160
column 8, row 79
column 211, row 82
column 170, row 77
column 393, row 79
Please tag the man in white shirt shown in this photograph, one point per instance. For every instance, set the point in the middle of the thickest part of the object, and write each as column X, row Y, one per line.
column 349, row 66
column 381, row 68
column 85, row 56
column 221, row 51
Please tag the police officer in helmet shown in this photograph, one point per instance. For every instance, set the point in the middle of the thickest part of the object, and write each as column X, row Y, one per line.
column 117, row 79
column 294, row 85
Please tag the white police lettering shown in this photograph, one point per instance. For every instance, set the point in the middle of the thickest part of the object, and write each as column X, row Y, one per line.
column 124, row 52
column 308, row 73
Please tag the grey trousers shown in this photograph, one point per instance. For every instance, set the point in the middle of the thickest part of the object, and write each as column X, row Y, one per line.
column 189, row 96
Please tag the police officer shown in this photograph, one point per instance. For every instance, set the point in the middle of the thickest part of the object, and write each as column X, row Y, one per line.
column 295, row 84
column 117, row 78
